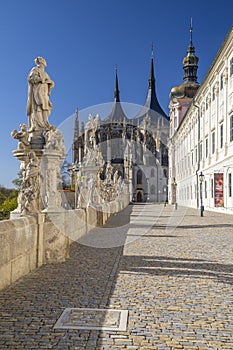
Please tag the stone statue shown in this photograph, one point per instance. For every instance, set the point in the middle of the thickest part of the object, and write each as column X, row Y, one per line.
column 91, row 189
column 39, row 87
column 115, row 177
column 30, row 186
column 54, row 139
column 22, row 136
column 108, row 172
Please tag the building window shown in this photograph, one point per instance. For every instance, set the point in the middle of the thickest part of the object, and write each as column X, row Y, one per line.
column 231, row 67
column 152, row 174
column 205, row 189
column 206, row 147
column 231, row 128
column 206, row 103
column 200, row 151
column 213, row 93
column 213, row 142
column 221, row 81
column 139, row 177
column 229, row 185
column 212, row 188
column 192, row 158
column 221, row 136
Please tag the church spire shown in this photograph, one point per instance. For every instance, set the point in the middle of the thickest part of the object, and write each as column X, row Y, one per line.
column 116, row 91
column 151, row 79
column 151, row 106
column 117, row 114
column 75, row 139
column 76, row 126
column 190, row 62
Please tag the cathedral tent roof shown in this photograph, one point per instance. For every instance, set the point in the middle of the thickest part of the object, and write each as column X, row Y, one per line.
column 117, row 114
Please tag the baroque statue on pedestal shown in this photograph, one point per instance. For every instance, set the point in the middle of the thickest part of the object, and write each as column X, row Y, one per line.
column 38, row 105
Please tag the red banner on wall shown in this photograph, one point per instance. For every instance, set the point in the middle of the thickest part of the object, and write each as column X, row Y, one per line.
column 218, row 190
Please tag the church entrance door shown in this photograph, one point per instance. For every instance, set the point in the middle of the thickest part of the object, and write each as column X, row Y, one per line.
column 139, row 197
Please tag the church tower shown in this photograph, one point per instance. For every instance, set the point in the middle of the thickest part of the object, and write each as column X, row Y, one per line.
column 182, row 95
column 180, row 99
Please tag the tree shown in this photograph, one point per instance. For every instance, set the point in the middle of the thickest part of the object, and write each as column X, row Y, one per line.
column 7, row 206
column 65, row 173
column 18, row 181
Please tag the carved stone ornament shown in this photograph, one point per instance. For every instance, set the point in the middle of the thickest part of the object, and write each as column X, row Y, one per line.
column 22, row 136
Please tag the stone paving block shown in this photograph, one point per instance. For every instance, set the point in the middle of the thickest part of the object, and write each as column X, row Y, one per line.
column 176, row 285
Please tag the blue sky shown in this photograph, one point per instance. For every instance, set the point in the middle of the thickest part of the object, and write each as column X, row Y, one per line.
column 83, row 40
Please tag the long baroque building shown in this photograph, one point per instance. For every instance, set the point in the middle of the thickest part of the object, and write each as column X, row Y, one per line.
column 201, row 133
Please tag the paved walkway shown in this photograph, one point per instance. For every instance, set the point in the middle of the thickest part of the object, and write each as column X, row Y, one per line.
column 176, row 282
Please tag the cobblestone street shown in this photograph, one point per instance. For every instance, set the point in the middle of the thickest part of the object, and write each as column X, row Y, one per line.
column 173, row 273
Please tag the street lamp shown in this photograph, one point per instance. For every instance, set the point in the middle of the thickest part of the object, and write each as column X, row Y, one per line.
column 148, row 189
column 201, row 178
column 175, row 186
column 165, row 190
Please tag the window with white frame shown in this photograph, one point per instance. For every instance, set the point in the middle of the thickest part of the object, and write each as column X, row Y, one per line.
column 231, row 67
column 229, row 185
column 231, row 128
column 221, row 136
column 221, row 81
column 213, row 93
column 206, row 147
column 200, row 151
column 213, row 142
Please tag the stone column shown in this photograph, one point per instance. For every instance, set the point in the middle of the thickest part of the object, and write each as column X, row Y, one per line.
column 51, row 180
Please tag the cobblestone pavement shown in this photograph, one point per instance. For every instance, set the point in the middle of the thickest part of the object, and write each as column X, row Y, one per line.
column 176, row 282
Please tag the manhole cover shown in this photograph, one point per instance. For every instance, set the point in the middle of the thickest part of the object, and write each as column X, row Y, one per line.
column 98, row 319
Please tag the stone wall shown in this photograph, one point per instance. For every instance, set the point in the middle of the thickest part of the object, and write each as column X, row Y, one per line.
column 29, row 242
column 19, row 249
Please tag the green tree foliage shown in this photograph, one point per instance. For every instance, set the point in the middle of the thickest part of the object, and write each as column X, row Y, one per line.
column 7, row 206
column 8, row 201
column 18, row 181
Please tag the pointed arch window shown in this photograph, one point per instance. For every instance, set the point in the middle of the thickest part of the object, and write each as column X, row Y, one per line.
column 139, row 177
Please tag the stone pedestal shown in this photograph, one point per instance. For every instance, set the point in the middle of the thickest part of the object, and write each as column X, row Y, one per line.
column 51, row 180
column 37, row 140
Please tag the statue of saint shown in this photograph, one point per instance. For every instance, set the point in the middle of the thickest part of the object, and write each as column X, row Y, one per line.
column 39, row 87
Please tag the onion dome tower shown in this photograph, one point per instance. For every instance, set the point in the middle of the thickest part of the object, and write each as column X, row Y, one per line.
column 190, row 85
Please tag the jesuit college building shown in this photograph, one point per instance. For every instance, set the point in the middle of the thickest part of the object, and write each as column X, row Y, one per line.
column 201, row 133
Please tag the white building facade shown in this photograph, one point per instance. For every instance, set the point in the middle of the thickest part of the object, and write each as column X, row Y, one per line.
column 201, row 135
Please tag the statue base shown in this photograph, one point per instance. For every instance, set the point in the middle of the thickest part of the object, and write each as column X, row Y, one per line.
column 36, row 139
